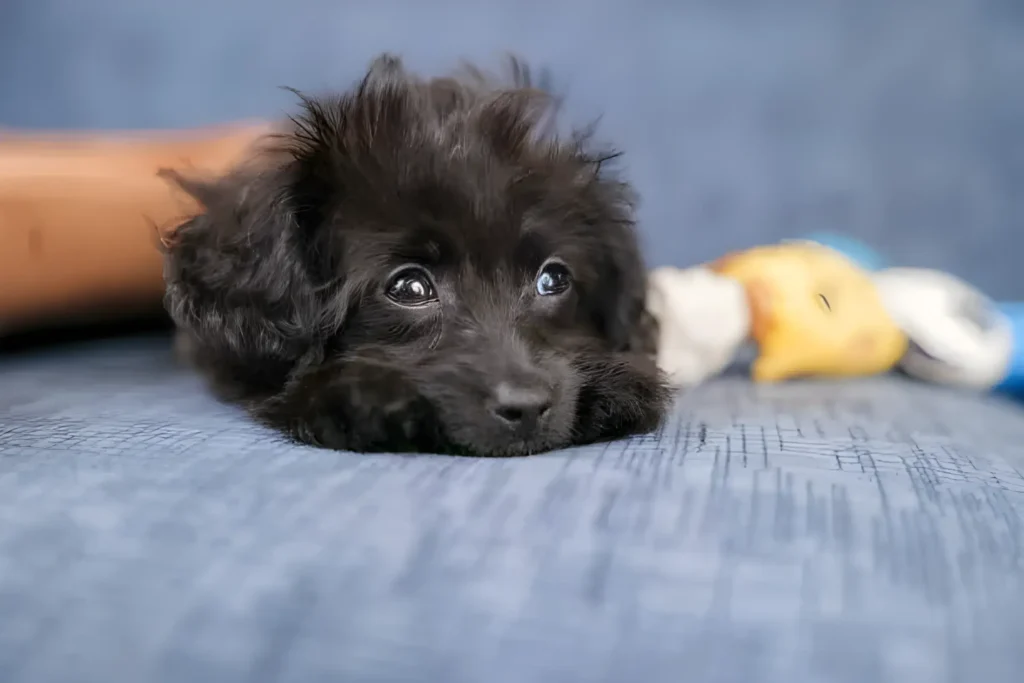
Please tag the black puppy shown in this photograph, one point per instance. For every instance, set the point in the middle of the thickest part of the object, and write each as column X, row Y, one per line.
column 422, row 265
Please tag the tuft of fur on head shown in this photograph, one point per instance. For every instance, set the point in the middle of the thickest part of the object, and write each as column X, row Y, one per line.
column 422, row 264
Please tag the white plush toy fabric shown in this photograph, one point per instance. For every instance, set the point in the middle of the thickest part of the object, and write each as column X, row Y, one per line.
column 703, row 320
column 957, row 336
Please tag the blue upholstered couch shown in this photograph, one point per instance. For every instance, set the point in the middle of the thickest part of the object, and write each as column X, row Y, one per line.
column 855, row 532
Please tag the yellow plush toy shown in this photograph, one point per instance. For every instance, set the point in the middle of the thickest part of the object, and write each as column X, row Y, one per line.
column 810, row 310
column 813, row 312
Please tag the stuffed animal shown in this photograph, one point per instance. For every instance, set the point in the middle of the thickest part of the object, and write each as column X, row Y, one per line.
column 809, row 309
column 815, row 312
column 703, row 320
column 957, row 335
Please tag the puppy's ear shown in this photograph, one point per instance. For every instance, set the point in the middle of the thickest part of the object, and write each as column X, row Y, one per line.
column 236, row 282
column 622, row 292
column 621, row 289
column 257, row 278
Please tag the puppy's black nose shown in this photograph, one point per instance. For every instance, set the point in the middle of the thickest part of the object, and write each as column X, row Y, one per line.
column 521, row 407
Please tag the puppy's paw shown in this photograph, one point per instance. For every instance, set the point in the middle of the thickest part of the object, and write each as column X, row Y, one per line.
column 622, row 394
column 355, row 405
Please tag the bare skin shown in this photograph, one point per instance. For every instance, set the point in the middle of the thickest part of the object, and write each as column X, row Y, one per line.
column 80, row 215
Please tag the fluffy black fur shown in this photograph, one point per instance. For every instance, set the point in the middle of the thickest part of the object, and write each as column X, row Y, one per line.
column 422, row 265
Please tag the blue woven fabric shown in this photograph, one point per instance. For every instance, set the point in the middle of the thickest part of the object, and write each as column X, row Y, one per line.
column 867, row 531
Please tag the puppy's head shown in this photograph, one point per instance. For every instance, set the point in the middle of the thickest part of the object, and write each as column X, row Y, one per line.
column 437, row 226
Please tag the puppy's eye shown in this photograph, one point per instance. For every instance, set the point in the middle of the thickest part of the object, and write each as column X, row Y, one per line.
column 554, row 278
column 411, row 286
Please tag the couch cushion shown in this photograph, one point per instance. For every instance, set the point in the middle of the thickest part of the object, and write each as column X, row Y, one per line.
column 862, row 531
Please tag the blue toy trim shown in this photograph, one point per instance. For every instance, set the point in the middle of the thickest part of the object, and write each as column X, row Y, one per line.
column 1013, row 381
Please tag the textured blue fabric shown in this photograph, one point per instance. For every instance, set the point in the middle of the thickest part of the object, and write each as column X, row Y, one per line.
column 857, row 532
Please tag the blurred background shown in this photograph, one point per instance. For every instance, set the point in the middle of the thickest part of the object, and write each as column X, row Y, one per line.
column 743, row 121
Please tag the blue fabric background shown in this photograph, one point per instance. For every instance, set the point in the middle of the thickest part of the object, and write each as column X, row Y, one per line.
column 743, row 121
